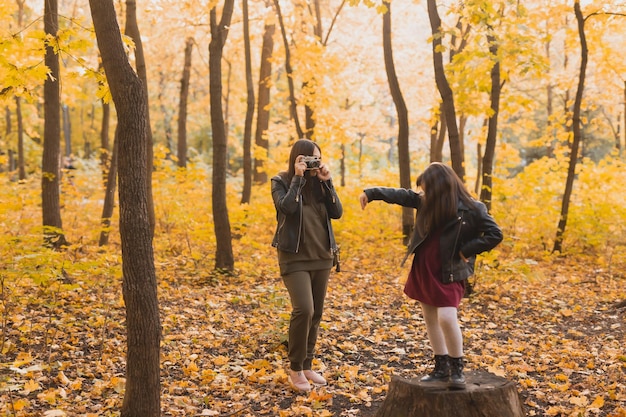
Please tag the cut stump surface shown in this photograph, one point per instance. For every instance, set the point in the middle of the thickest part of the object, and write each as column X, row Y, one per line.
column 485, row 395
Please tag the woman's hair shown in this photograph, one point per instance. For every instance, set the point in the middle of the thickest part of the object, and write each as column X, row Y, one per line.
column 442, row 191
column 304, row 147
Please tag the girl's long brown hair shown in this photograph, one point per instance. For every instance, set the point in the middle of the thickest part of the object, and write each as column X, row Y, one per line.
column 311, row 189
column 442, row 191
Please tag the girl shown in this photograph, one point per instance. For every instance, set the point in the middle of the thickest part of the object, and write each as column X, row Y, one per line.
column 451, row 228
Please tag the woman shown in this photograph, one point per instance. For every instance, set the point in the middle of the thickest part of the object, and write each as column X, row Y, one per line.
column 305, row 201
column 451, row 228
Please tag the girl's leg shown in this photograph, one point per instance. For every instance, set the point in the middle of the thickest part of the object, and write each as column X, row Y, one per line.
column 441, row 370
column 449, row 324
column 434, row 330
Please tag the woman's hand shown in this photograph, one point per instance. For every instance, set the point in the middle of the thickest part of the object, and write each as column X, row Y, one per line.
column 300, row 166
column 323, row 173
column 364, row 200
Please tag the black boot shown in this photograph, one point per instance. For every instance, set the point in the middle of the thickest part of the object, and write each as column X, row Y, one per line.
column 457, row 379
column 441, row 371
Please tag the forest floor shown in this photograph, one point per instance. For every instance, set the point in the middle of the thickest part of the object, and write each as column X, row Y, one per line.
column 555, row 331
column 548, row 323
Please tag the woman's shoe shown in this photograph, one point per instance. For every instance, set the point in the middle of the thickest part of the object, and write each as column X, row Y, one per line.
column 298, row 381
column 314, row 377
column 457, row 379
column 441, row 371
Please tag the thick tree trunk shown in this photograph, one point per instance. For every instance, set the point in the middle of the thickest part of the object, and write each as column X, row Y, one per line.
column 182, row 106
column 224, row 259
column 404, row 161
column 247, row 132
column 485, row 395
column 456, row 153
column 50, row 172
column 573, row 157
column 143, row 390
column 263, row 101
column 492, row 130
column 132, row 29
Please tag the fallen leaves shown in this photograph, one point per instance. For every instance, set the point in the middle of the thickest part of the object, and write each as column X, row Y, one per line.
column 548, row 325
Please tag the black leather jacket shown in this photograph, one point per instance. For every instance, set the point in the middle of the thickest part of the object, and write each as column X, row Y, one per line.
column 288, row 202
column 472, row 232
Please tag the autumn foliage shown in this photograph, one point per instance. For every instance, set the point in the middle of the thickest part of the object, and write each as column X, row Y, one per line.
column 547, row 321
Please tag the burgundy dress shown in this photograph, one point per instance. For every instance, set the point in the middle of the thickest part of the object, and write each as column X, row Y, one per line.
column 424, row 284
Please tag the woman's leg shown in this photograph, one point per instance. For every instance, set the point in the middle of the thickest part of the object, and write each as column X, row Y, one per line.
column 319, row 284
column 302, row 307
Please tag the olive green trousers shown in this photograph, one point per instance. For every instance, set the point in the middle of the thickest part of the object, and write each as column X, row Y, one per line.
column 307, row 290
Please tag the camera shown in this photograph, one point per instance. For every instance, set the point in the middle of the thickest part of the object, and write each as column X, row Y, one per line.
column 312, row 162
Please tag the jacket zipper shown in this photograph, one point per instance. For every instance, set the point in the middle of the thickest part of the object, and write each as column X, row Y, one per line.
column 299, row 201
column 456, row 240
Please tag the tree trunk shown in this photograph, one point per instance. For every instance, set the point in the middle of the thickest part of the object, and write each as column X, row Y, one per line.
column 263, row 101
column 168, row 114
column 7, row 130
column 620, row 148
column 456, row 153
column 182, row 106
column 50, row 175
column 485, row 395
column 104, row 141
column 479, row 167
column 247, row 132
column 132, row 29
column 289, row 70
column 20, row 139
column 492, row 130
column 18, row 110
column 224, row 252
column 438, row 135
column 67, row 130
column 109, row 195
column 142, row 394
column 404, row 161
column 573, row 156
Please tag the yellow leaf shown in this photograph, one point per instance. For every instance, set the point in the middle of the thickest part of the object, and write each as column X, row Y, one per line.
column 579, row 401
column 220, row 360
column 63, row 380
column 20, row 404
column 31, row 386
column 597, row 403
column 49, row 396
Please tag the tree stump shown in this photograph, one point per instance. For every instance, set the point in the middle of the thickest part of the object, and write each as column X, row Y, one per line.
column 485, row 395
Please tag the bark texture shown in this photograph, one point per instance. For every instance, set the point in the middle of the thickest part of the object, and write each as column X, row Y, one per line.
column 263, row 101
column 486, row 395
column 143, row 390
column 492, row 130
column 577, row 133
column 247, row 132
column 224, row 259
column 50, row 172
column 447, row 97
column 404, row 162
column 182, row 106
